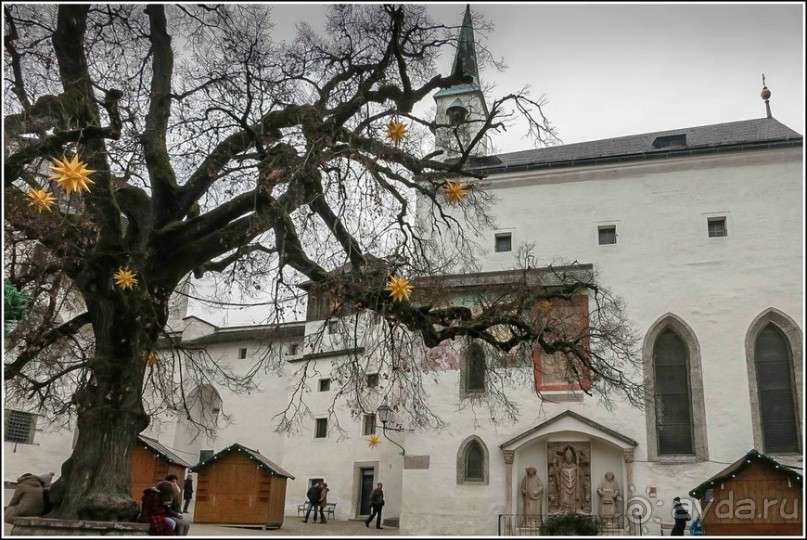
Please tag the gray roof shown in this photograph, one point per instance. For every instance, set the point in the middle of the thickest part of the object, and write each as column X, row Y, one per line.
column 550, row 276
column 744, row 134
column 249, row 333
column 162, row 451
column 263, row 462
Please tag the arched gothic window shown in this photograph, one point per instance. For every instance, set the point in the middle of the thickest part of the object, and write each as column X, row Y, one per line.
column 675, row 412
column 472, row 462
column 672, row 395
column 773, row 346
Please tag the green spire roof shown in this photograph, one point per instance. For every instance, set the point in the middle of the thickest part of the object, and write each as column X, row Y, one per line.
column 465, row 58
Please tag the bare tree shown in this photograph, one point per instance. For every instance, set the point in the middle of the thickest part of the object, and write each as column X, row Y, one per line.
column 258, row 162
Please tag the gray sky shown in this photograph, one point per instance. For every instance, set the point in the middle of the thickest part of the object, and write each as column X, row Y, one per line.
column 609, row 70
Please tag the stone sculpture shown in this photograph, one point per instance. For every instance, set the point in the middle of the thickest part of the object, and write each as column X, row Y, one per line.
column 533, row 491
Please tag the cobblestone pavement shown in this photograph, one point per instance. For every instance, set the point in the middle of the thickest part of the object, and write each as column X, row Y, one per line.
column 292, row 526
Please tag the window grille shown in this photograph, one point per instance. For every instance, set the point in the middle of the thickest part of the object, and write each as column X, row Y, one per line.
column 504, row 242
column 20, row 427
column 372, row 380
column 717, row 227
column 324, row 385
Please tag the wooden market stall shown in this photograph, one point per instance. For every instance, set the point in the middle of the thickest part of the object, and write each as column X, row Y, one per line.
column 754, row 496
column 152, row 462
column 240, row 486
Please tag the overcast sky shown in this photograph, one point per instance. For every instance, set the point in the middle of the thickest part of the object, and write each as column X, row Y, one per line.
column 621, row 69
column 609, row 70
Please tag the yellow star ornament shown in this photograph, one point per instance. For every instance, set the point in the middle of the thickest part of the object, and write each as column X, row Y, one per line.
column 152, row 359
column 374, row 441
column 454, row 192
column 125, row 278
column 41, row 200
column 399, row 288
column 71, row 175
column 396, row 131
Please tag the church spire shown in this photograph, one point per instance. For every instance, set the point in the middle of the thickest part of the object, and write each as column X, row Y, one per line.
column 465, row 59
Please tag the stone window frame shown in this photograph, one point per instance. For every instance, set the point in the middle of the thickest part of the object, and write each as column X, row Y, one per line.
column 673, row 322
column 462, row 455
column 466, row 393
column 793, row 334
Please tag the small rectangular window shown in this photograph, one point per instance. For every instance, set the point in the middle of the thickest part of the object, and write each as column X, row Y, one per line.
column 372, row 380
column 504, row 242
column 717, row 227
column 205, row 455
column 321, row 428
column 314, row 481
column 607, row 235
column 242, row 353
column 334, row 327
column 20, row 427
column 293, row 348
column 324, row 385
column 369, row 425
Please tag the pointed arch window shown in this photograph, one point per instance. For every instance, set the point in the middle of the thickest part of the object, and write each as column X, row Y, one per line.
column 472, row 462
column 675, row 411
column 672, row 395
column 774, row 351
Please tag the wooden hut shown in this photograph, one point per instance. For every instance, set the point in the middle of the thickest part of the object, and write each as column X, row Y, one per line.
column 152, row 462
column 754, row 496
column 242, row 487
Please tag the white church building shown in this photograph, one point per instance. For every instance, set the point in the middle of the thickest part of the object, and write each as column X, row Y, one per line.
column 700, row 230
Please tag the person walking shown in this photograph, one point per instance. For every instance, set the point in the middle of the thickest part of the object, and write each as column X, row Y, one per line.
column 376, row 504
column 314, row 493
column 187, row 492
column 681, row 517
column 323, row 500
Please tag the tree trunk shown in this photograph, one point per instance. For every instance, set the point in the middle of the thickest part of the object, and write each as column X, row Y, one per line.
column 96, row 480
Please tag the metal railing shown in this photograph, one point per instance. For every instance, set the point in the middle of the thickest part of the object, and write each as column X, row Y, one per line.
column 530, row 525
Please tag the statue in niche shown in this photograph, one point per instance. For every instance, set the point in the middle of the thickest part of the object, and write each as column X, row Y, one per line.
column 533, row 491
column 609, row 494
column 569, row 470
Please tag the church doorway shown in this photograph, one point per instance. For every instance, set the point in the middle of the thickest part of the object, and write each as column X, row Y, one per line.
column 367, row 486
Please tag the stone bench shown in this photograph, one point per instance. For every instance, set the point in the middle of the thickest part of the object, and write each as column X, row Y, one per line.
column 39, row 526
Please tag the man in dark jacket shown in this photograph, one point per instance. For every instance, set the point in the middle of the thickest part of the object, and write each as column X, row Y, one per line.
column 681, row 517
column 376, row 504
column 187, row 493
column 314, row 493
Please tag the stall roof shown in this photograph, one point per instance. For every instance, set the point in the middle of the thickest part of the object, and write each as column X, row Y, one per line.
column 263, row 462
column 155, row 446
column 732, row 470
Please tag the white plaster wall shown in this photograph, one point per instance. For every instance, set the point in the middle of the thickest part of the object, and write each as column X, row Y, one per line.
column 663, row 263
column 50, row 449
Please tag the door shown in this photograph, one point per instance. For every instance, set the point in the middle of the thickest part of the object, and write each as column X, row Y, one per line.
column 367, row 485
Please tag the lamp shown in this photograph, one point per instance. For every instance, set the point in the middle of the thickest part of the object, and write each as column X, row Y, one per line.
column 385, row 415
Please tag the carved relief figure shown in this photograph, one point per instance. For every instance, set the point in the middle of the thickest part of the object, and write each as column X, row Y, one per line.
column 533, row 491
column 609, row 493
column 569, row 469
